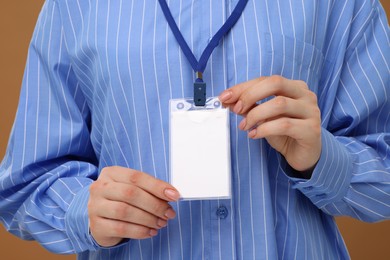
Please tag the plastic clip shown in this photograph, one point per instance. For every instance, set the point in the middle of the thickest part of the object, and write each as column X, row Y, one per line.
column 199, row 94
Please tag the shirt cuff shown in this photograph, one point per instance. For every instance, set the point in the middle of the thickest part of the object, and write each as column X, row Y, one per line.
column 332, row 175
column 77, row 223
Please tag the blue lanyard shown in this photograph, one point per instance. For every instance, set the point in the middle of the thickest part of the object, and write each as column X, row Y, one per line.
column 199, row 67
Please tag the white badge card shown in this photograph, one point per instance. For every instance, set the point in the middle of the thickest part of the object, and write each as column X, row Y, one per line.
column 200, row 149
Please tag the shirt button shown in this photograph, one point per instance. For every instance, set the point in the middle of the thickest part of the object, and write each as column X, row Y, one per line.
column 222, row 212
column 321, row 196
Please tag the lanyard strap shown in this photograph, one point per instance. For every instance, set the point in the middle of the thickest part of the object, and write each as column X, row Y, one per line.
column 199, row 67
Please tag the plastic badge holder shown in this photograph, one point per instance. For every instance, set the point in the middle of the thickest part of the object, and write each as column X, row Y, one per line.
column 200, row 166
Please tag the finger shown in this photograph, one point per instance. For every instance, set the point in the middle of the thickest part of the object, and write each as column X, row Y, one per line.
column 297, row 129
column 271, row 86
column 110, row 228
column 128, row 213
column 156, row 187
column 279, row 107
column 137, row 197
column 231, row 95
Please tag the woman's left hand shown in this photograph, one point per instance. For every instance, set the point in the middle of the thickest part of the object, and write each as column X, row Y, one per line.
column 290, row 121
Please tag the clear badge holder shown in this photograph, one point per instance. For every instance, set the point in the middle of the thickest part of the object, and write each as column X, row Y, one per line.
column 200, row 166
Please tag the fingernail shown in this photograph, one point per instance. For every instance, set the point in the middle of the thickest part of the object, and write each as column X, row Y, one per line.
column 153, row 232
column 172, row 194
column 225, row 96
column 238, row 107
column 252, row 133
column 161, row 223
column 170, row 213
column 242, row 124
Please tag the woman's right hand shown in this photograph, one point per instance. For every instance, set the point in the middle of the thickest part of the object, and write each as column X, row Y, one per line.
column 126, row 203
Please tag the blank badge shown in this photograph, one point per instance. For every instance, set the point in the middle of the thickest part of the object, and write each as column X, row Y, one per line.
column 200, row 149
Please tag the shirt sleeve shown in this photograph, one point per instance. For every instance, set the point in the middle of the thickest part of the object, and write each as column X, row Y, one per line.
column 352, row 176
column 50, row 162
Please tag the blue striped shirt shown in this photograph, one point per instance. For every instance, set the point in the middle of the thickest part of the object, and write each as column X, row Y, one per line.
column 96, row 88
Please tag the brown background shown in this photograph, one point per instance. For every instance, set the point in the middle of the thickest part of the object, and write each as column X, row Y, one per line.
column 17, row 21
